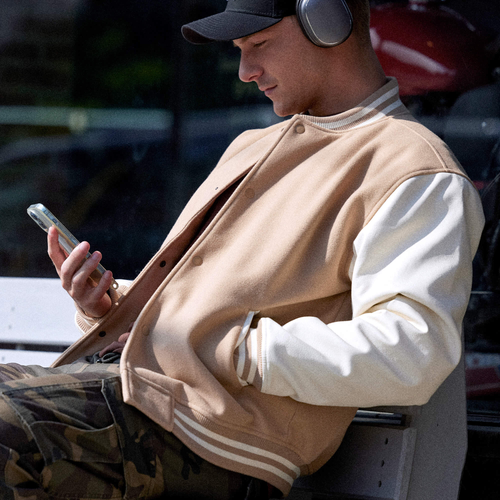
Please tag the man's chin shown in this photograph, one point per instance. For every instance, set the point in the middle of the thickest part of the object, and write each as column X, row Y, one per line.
column 282, row 111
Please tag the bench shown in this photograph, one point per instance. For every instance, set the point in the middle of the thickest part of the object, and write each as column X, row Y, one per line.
column 402, row 453
column 37, row 320
column 396, row 453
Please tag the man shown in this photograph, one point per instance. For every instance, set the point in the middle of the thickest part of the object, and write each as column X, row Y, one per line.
column 325, row 264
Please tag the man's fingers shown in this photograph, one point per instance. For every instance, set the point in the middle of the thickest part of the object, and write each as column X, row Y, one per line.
column 104, row 283
column 116, row 346
column 113, row 347
column 75, row 269
column 54, row 250
column 124, row 337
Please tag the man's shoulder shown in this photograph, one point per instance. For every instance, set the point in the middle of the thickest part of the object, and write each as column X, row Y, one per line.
column 409, row 133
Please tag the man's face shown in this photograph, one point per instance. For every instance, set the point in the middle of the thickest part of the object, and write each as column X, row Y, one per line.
column 286, row 66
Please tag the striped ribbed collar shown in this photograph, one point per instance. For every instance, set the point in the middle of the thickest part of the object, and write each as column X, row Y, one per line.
column 379, row 105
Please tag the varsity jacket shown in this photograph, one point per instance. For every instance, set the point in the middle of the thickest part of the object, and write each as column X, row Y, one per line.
column 335, row 276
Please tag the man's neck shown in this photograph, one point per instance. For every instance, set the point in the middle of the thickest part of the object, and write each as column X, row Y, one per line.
column 346, row 87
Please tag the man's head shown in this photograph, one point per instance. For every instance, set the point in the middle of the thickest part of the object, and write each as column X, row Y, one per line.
column 326, row 23
column 292, row 70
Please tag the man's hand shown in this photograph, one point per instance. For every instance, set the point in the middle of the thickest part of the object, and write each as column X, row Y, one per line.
column 116, row 346
column 75, row 272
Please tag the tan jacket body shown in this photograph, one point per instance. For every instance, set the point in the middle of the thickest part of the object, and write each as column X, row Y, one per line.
column 281, row 247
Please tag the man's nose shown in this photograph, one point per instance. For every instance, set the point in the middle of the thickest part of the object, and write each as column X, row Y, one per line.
column 249, row 71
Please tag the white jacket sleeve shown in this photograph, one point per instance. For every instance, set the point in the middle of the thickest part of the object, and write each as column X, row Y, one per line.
column 411, row 280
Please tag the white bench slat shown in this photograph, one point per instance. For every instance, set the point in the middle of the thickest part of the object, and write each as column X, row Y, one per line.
column 41, row 358
column 36, row 311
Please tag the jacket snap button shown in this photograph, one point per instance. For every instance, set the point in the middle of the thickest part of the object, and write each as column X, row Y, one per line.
column 300, row 129
column 197, row 260
column 250, row 193
column 145, row 330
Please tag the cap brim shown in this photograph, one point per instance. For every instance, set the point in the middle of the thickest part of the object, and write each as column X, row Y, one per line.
column 226, row 26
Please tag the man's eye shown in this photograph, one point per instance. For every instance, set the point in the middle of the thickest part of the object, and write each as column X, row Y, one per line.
column 259, row 44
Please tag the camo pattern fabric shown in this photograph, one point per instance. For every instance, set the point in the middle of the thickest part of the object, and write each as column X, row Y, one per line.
column 65, row 433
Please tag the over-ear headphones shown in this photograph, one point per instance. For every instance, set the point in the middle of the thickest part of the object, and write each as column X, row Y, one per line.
column 326, row 23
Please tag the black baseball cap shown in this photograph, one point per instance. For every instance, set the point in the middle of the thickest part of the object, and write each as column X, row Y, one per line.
column 241, row 18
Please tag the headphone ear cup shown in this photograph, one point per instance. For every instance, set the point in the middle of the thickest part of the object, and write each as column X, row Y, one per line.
column 326, row 23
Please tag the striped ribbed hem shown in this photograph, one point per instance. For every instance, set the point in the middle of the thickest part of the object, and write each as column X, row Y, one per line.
column 237, row 451
column 385, row 102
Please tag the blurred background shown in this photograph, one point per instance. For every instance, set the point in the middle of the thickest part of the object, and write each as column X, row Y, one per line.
column 112, row 121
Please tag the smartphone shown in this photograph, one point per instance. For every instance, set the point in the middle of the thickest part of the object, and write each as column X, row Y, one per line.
column 45, row 218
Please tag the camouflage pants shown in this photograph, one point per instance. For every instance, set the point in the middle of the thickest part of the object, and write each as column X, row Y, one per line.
column 65, row 433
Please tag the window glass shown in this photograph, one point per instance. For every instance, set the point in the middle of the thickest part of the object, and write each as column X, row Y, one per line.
column 112, row 120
